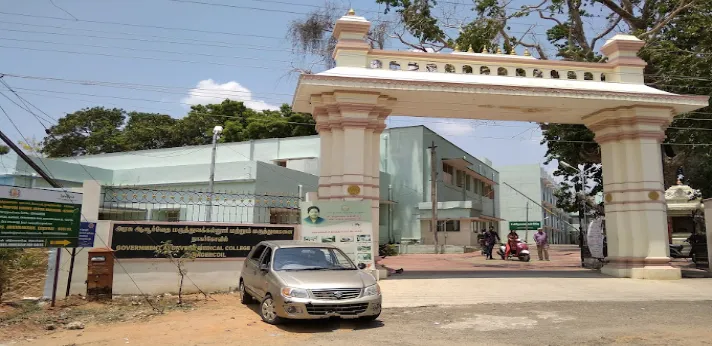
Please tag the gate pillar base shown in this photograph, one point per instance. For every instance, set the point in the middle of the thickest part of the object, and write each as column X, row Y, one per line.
column 656, row 273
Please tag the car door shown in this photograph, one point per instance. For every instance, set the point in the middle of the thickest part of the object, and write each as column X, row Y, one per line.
column 262, row 277
column 250, row 268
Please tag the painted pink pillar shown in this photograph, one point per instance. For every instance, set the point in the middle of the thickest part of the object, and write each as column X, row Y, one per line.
column 636, row 215
column 350, row 125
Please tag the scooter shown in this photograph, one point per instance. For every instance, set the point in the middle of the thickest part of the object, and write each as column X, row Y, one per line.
column 676, row 251
column 521, row 251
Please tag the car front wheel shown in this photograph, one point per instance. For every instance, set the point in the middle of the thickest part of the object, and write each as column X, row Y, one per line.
column 268, row 311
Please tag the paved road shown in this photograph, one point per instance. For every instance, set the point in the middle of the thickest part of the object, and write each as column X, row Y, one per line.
column 428, row 292
column 560, row 323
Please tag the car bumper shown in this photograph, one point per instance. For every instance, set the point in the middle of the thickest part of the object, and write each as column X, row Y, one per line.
column 310, row 309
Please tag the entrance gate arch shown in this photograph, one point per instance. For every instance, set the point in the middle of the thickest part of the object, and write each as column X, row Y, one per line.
column 351, row 102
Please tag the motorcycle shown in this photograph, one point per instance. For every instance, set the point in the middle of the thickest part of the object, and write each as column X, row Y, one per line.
column 520, row 251
column 676, row 251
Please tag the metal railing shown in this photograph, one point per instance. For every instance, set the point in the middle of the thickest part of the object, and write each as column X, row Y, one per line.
column 175, row 205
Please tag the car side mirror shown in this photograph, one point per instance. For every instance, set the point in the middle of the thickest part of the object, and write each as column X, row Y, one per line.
column 264, row 267
column 361, row 266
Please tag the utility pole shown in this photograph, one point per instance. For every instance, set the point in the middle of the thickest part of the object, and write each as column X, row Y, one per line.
column 583, row 208
column 526, row 225
column 434, row 195
column 55, row 185
column 216, row 134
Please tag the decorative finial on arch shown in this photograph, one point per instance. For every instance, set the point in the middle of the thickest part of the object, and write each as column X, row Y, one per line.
column 526, row 52
column 457, row 47
column 351, row 12
column 512, row 52
column 499, row 50
column 484, row 50
column 469, row 49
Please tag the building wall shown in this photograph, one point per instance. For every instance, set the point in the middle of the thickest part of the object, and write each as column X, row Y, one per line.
column 406, row 157
column 402, row 157
column 526, row 179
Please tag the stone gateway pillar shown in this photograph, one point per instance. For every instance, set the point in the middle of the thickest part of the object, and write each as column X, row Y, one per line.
column 636, row 217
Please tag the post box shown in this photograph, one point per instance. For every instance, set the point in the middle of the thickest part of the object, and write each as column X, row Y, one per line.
column 100, row 274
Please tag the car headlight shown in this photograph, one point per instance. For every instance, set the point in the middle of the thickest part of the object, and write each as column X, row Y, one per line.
column 372, row 290
column 289, row 292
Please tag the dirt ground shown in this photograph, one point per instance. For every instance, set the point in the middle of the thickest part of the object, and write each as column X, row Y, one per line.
column 223, row 321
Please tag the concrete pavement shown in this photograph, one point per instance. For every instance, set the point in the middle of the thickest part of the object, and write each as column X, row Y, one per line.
column 461, row 279
column 596, row 287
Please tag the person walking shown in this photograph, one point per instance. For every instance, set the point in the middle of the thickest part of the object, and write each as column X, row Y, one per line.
column 491, row 238
column 542, row 244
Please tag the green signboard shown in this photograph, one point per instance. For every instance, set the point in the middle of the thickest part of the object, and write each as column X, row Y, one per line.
column 524, row 225
column 32, row 218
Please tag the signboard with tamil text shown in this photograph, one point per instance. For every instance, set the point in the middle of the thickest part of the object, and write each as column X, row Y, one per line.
column 524, row 225
column 140, row 239
column 346, row 224
column 87, row 231
column 35, row 218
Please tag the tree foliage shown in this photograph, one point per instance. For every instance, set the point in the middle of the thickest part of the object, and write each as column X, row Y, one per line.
column 4, row 150
column 312, row 35
column 100, row 130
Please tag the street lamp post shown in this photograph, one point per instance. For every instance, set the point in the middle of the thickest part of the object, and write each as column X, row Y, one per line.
column 584, row 218
column 217, row 130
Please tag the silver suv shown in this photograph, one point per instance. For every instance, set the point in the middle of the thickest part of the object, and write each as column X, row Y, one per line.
column 297, row 280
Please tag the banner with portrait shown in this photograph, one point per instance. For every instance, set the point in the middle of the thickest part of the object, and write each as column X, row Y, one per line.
column 346, row 224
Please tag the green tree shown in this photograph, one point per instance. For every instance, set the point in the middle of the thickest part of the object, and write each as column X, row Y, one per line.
column 145, row 131
column 4, row 150
column 88, row 131
column 99, row 130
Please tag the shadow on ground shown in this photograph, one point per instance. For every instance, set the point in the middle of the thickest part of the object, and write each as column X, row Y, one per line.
column 321, row 326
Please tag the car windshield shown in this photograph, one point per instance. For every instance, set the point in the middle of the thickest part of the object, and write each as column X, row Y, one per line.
column 311, row 258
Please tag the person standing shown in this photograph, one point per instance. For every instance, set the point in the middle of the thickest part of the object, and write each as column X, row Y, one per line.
column 542, row 244
column 491, row 238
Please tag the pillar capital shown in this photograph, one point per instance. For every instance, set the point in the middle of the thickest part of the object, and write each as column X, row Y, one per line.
column 634, row 122
column 622, row 52
column 341, row 109
column 351, row 47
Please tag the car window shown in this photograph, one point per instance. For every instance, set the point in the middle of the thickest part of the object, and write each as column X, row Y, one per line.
column 311, row 258
column 267, row 258
column 257, row 252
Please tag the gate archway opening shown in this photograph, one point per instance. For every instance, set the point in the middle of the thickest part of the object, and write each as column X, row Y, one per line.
column 351, row 102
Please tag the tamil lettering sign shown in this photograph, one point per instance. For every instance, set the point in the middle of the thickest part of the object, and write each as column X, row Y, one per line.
column 140, row 240
column 524, row 225
column 38, row 218
column 87, row 231
column 346, row 224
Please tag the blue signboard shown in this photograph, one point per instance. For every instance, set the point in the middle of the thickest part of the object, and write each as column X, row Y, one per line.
column 87, row 230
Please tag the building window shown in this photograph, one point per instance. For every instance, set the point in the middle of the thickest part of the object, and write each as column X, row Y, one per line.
column 449, row 226
column 460, row 178
column 448, row 172
column 281, row 163
column 468, row 183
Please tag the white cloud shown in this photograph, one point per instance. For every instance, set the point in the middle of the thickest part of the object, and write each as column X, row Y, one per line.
column 454, row 128
column 208, row 91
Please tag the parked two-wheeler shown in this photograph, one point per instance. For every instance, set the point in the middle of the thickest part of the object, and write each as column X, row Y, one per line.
column 520, row 251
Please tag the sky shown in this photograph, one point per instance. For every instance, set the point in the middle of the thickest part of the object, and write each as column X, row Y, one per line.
column 241, row 51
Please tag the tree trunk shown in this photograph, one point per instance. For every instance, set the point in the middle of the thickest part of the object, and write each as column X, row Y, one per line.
column 180, row 290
